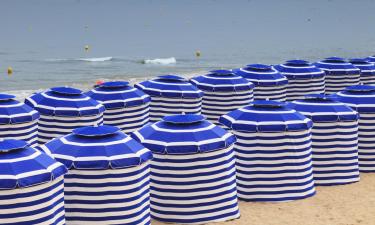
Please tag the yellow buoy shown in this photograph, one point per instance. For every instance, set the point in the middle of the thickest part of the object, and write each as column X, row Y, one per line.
column 87, row 48
column 10, row 70
column 198, row 53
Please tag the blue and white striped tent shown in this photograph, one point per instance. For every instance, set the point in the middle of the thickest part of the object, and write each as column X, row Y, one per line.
column 273, row 152
column 170, row 95
column 371, row 59
column 108, row 177
column 334, row 139
column 367, row 70
column 362, row 99
column 63, row 109
column 269, row 83
column 339, row 74
column 31, row 186
column 18, row 120
column 126, row 107
column 303, row 78
column 192, row 172
column 223, row 92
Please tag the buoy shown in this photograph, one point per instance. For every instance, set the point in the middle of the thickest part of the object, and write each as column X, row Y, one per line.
column 10, row 70
column 87, row 48
column 98, row 83
column 198, row 53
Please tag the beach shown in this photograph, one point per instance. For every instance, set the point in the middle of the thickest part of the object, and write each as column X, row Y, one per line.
column 350, row 204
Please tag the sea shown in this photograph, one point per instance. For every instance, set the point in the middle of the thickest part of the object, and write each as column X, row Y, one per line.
column 77, row 43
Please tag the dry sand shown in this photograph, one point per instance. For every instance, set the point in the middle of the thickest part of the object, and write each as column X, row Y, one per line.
column 352, row 204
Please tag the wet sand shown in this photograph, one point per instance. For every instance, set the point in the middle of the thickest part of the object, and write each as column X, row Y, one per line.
column 352, row 204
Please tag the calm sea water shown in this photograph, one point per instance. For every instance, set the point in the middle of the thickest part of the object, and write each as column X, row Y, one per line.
column 44, row 41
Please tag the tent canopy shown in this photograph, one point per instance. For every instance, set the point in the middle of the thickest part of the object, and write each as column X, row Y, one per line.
column 97, row 147
column 222, row 81
column 118, row 94
column 64, row 101
column 266, row 116
column 337, row 65
column 184, row 134
column 324, row 108
column 299, row 69
column 13, row 111
column 170, row 86
column 22, row 166
column 261, row 74
column 359, row 97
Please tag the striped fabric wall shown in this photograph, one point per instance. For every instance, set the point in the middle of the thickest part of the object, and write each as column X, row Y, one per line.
column 223, row 92
column 192, row 172
column 274, row 166
column 366, row 142
column 335, row 152
column 17, row 120
column 334, row 139
column 273, row 152
column 50, row 127
column 170, row 95
column 303, row 78
column 367, row 70
column 216, row 104
column 362, row 99
column 128, row 119
column 199, row 190
column 118, row 196
column 269, row 83
column 163, row 106
column 41, row 204
column 339, row 74
column 125, row 106
column 63, row 109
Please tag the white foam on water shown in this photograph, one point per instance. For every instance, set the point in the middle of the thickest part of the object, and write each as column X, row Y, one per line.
column 160, row 61
column 98, row 59
column 101, row 59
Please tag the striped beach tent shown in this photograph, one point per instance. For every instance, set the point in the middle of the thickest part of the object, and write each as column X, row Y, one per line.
column 31, row 186
column 171, row 94
column 269, row 83
column 303, row 78
column 223, row 92
column 108, row 177
column 193, row 170
column 273, row 152
column 334, row 139
column 362, row 99
column 367, row 70
column 339, row 74
column 63, row 109
column 371, row 59
column 18, row 120
column 126, row 107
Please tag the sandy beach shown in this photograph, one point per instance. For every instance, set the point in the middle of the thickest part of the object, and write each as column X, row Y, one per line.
column 351, row 204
